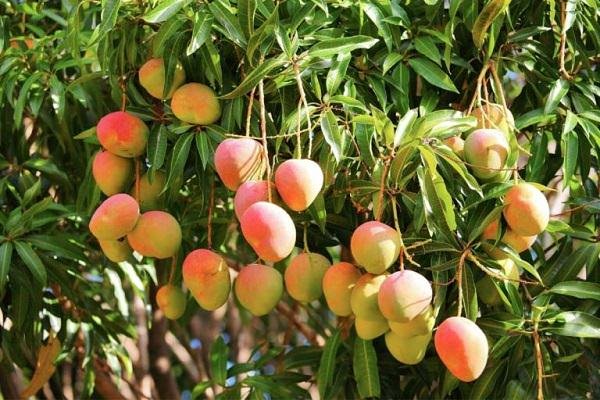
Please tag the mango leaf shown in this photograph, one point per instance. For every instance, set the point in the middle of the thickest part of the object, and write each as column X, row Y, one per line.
column 432, row 73
column 255, row 76
column 327, row 365
column 578, row 289
column 332, row 134
column 558, row 91
column 490, row 12
column 570, row 151
column 364, row 364
column 575, row 324
column 202, row 27
column 181, row 151
column 426, row 46
column 6, row 250
column 329, row 47
column 165, row 10
column 218, row 361
column 32, row 261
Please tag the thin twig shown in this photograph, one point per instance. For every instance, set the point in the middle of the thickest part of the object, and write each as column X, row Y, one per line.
column 263, row 130
column 386, row 165
column 563, row 42
column 303, row 100
column 459, row 270
column 249, row 112
column 539, row 363
column 211, row 206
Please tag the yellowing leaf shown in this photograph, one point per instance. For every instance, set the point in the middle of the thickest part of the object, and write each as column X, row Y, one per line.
column 44, row 367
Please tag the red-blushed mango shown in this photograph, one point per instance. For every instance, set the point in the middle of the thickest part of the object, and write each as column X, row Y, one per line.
column 462, row 347
column 404, row 295
column 150, row 198
column 258, row 288
column 375, row 246
column 156, row 234
column 115, row 217
column 122, row 134
column 409, row 350
column 494, row 116
column 171, row 301
column 518, row 243
column 419, row 325
column 196, row 104
column 487, row 290
column 238, row 161
column 526, row 209
column 370, row 329
column 206, row 275
column 298, row 182
column 338, row 282
column 304, row 276
column 152, row 78
column 251, row 192
column 269, row 230
column 456, row 144
column 115, row 250
column 363, row 299
column 486, row 150
column 112, row 173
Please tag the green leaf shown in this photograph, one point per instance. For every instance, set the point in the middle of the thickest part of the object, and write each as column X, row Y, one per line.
column 157, row 146
column 165, row 10
column 218, row 361
column 229, row 24
column 558, row 91
column 570, row 151
column 246, row 11
column 337, row 72
column 578, row 289
column 484, row 20
column 375, row 15
column 575, row 324
column 6, row 251
column 254, row 77
column 327, row 365
column 24, row 96
column 179, row 157
column 404, row 126
column 426, row 46
column 332, row 134
column 485, row 384
column 364, row 364
column 32, row 261
column 318, row 211
column 330, row 47
column 432, row 73
column 203, row 22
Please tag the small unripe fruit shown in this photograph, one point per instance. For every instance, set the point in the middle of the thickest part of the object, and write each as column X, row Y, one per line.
column 526, row 211
column 419, row 325
column 304, row 276
column 485, row 287
column 122, row 134
column 112, row 173
column 251, row 192
column 404, row 295
column 410, row 350
column 258, row 288
column 152, row 78
column 456, row 144
column 299, row 182
column 150, row 198
column 269, row 230
column 494, row 116
column 487, row 151
column 338, row 282
column 363, row 299
column 156, row 234
column 370, row 329
column 115, row 217
column 375, row 246
column 206, row 275
column 196, row 104
column 171, row 300
column 238, row 161
column 115, row 250
column 462, row 347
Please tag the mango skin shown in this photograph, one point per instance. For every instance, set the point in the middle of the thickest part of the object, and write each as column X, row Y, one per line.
column 486, row 150
column 112, row 173
column 338, row 282
column 299, row 182
column 115, row 217
column 518, row 243
column 363, row 299
column 251, row 192
column 457, row 144
column 462, row 347
column 419, row 325
column 375, row 246
column 258, row 288
column 152, row 78
column 122, row 134
column 156, row 234
column 171, row 300
column 196, row 104
column 115, row 250
column 206, row 275
column 150, row 198
column 409, row 350
column 526, row 210
column 368, row 330
column 238, row 161
column 304, row 276
column 493, row 116
column 485, row 287
column 404, row 295
column 269, row 230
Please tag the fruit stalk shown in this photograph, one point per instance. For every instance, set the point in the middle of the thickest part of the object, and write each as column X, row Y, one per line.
column 305, row 103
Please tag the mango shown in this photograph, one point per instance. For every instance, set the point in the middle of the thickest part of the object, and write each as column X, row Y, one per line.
column 251, row 192
column 112, row 173
column 115, row 217
column 419, row 325
column 363, row 299
column 494, row 116
column 196, row 104
column 487, row 290
column 462, row 347
column 456, row 144
column 304, row 276
column 486, row 150
column 123, row 134
column 171, row 301
column 370, row 329
column 375, row 246
column 152, row 78
column 269, row 230
column 150, row 197
column 156, row 234
column 298, row 182
column 409, row 350
column 206, row 275
column 238, row 161
column 115, row 250
column 518, row 243
column 338, row 282
column 404, row 295
column 526, row 210
column 258, row 288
